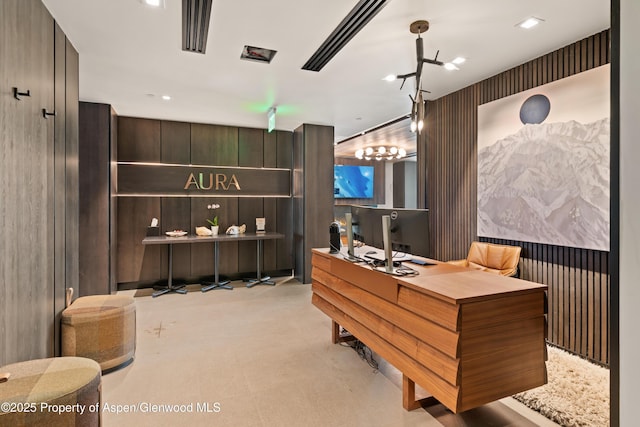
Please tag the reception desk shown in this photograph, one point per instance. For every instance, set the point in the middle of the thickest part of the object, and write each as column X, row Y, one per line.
column 467, row 337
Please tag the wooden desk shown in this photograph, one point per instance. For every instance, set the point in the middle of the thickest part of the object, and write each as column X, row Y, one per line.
column 468, row 337
column 166, row 240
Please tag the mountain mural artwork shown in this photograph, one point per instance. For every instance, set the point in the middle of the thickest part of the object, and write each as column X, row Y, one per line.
column 547, row 180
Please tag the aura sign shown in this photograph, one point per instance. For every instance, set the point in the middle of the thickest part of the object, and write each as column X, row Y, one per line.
column 217, row 181
column 168, row 180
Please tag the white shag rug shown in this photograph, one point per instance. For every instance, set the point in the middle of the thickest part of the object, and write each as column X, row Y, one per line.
column 576, row 394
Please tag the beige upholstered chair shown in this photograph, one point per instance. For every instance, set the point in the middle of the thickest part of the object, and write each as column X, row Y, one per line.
column 497, row 259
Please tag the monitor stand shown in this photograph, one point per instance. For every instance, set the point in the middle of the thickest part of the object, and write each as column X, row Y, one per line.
column 388, row 253
column 350, row 250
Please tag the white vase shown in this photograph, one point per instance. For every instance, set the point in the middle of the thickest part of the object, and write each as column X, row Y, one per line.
column 214, row 230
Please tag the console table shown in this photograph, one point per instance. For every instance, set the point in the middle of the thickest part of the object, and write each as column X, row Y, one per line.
column 166, row 240
column 468, row 337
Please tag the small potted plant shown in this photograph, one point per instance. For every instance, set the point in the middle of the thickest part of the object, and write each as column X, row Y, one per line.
column 213, row 222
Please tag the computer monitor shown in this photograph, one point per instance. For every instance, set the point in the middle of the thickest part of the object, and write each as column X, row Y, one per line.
column 360, row 227
column 409, row 228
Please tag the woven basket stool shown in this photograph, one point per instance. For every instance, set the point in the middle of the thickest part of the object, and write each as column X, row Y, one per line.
column 100, row 327
column 60, row 391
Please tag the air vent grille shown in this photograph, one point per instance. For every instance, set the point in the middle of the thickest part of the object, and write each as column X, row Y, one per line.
column 195, row 24
column 359, row 16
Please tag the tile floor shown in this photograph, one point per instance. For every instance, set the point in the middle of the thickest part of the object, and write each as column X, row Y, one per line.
column 263, row 357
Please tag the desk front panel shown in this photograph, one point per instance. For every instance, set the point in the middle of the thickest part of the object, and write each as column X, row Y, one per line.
column 466, row 352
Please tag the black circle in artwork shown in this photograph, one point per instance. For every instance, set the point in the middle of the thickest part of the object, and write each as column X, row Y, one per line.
column 535, row 109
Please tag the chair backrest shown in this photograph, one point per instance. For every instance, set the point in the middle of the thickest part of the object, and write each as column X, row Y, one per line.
column 500, row 259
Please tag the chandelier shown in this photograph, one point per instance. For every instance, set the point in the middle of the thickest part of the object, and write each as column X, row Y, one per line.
column 381, row 152
column 417, row 102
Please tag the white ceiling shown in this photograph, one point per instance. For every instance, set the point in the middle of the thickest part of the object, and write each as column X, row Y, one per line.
column 128, row 51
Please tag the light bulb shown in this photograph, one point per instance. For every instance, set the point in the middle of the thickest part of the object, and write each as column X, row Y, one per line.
column 420, row 125
column 369, row 151
column 414, row 126
column 359, row 153
column 382, row 150
column 393, row 150
column 402, row 152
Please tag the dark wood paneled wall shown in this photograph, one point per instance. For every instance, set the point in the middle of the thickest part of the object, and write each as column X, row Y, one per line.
column 578, row 279
column 95, row 198
column 66, row 145
column 147, row 140
column 379, row 175
column 38, row 172
column 404, row 184
column 313, row 193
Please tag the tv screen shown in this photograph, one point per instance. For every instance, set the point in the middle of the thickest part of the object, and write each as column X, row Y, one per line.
column 352, row 182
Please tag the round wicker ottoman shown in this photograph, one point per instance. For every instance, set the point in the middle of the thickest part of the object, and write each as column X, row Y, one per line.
column 100, row 327
column 61, row 391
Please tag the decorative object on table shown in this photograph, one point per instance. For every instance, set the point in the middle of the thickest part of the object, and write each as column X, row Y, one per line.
column 176, row 233
column 237, row 229
column 213, row 222
column 260, row 225
column 153, row 229
column 203, row 231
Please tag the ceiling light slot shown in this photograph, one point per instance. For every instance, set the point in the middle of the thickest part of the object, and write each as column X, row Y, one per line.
column 196, row 15
column 359, row 16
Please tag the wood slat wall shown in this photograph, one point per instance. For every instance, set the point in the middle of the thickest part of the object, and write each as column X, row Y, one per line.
column 578, row 279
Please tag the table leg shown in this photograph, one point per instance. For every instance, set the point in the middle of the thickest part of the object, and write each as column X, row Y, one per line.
column 170, row 288
column 259, row 280
column 216, row 284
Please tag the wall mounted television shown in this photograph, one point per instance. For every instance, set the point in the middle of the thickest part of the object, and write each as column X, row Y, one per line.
column 352, row 182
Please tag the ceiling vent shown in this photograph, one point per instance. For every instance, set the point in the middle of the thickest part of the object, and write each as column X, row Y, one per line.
column 359, row 16
column 195, row 24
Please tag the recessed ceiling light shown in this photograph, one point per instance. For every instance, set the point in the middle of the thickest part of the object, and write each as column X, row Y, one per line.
column 449, row 66
column 529, row 23
column 152, row 3
column 458, row 60
column 390, row 78
column 166, row 97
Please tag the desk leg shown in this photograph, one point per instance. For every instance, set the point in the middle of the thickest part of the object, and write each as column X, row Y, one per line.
column 259, row 280
column 170, row 287
column 335, row 334
column 409, row 401
column 216, row 284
